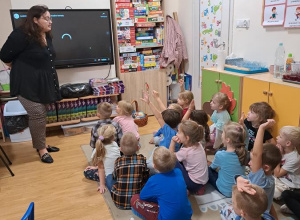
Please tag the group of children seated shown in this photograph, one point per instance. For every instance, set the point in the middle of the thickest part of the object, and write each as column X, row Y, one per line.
column 158, row 188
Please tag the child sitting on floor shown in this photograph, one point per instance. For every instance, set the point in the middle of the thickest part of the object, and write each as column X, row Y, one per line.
column 201, row 118
column 227, row 164
column 184, row 99
column 104, row 110
column 125, row 119
column 130, row 173
column 247, row 205
column 288, row 172
column 107, row 151
column 192, row 156
column 219, row 104
column 164, row 195
column 258, row 114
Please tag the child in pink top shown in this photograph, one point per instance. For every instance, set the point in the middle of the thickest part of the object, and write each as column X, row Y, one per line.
column 124, row 118
column 191, row 155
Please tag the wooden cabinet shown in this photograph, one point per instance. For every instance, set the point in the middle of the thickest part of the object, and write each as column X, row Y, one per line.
column 212, row 81
column 283, row 98
column 135, row 85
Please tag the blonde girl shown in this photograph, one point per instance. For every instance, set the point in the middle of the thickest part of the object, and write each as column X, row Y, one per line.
column 192, row 156
column 125, row 119
column 219, row 104
column 258, row 114
column 184, row 99
column 104, row 156
column 227, row 164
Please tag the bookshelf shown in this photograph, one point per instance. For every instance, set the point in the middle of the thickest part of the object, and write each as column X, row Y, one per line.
column 139, row 33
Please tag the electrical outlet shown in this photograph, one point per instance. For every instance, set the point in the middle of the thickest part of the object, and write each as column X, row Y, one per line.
column 243, row 23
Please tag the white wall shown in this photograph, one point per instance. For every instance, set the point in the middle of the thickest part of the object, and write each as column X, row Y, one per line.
column 259, row 43
column 72, row 75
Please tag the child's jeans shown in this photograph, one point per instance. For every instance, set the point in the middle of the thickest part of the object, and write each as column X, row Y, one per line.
column 109, row 181
column 213, row 177
column 144, row 209
column 191, row 186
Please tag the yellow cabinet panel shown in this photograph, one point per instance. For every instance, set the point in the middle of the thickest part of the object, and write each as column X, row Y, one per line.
column 285, row 100
column 254, row 91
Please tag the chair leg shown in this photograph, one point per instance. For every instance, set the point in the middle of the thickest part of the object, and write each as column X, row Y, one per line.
column 5, row 155
column 6, row 166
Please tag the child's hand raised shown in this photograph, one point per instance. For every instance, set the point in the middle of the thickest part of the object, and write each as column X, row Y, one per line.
column 243, row 185
column 270, row 123
column 192, row 105
column 145, row 97
column 155, row 94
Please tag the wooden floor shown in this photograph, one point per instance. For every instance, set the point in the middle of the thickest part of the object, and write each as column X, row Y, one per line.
column 59, row 190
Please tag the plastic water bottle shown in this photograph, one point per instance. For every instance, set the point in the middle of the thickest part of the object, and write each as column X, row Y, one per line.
column 279, row 61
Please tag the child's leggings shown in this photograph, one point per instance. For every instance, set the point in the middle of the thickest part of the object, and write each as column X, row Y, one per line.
column 212, row 177
column 191, row 186
column 144, row 209
column 292, row 201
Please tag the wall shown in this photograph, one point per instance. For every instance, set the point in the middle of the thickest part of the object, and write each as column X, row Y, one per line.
column 72, row 75
column 259, row 43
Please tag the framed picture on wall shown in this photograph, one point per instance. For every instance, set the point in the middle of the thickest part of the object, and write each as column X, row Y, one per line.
column 275, row 2
column 292, row 18
column 293, row 2
column 274, row 15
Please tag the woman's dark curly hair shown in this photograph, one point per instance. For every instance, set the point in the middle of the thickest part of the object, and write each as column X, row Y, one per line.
column 31, row 28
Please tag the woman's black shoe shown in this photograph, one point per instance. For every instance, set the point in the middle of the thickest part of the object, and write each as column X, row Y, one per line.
column 46, row 158
column 52, row 149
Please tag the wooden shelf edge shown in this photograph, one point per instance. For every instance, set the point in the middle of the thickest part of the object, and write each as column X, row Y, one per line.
column 63, row 123
column 139, row 47
column 95, row 96
column 95, row 118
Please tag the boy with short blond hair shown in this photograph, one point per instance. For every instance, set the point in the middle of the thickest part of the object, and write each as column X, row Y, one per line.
column 130, row 173
column 288, row 172
column 164, row 196
column 104, row 110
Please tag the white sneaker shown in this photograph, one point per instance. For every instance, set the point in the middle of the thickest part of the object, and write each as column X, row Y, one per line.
column 285, row 209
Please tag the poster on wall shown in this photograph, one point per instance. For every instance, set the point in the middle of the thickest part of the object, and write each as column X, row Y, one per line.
column 293, row 2
column 274, row 2
column 292, row 18
column 274, row 15
column 210, row 31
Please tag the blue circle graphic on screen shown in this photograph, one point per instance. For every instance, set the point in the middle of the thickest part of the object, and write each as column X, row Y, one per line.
column 16, row 16
column 66, row 35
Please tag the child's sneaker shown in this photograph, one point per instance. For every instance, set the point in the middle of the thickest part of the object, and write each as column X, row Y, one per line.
column 285, row 209
column 201, row 191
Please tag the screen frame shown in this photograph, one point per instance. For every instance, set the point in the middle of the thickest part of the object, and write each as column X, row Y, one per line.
column 66, row 66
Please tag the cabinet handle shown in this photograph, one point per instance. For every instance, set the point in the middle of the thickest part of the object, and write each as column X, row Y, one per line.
column 270, row 93
column 265, row 92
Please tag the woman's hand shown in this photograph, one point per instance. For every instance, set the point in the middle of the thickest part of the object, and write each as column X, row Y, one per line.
column 101, row 189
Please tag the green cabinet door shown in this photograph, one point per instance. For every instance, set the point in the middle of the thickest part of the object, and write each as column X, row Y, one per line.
column 209, row 85
column 234, row 82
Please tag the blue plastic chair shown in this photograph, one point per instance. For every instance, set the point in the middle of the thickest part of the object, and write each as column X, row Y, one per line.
column 29, row 215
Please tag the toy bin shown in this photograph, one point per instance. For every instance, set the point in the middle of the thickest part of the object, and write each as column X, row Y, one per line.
column 14, row 109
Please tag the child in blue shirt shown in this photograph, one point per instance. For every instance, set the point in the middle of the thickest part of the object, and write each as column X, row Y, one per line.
column 165, row 195
column 231, row 162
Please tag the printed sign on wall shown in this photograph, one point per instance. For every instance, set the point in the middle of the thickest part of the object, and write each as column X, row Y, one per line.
column 292, row 18
column 210, row 30
column 274, row 15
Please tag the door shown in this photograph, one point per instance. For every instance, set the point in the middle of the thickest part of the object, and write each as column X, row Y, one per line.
column 210, row 85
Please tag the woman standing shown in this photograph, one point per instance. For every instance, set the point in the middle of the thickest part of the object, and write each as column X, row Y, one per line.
column 29, row 53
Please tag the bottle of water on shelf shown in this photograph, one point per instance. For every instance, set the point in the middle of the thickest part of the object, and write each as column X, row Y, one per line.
column 279, row 61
